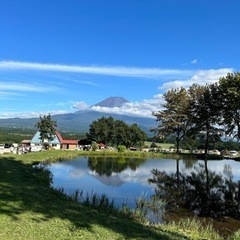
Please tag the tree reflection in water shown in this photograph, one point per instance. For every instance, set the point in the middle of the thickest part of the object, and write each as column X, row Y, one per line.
column 202, row 191
column 108, row 165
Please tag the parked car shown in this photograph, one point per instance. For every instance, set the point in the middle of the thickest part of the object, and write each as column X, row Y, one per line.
column 233, row 152
column 36, row 149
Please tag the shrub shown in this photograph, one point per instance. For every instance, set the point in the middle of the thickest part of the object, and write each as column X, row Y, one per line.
column 153, row 145
column 94, row 146
column 121, row 148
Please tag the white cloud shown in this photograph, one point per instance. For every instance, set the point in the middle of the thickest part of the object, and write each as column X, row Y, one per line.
column 106, row 70
column 200, row 77
column 141, row 108
column 73, row 79
column 194, row 61
column 9, row 95
column 18, row 86
column 144, row 108
column 80, row 105
column 32, row 114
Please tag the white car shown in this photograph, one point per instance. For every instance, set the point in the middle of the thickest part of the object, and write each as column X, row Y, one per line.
column 36, row 149
column 233, row 153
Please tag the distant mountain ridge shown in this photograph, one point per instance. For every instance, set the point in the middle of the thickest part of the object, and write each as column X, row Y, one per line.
column 111, row 102
column 81, row 120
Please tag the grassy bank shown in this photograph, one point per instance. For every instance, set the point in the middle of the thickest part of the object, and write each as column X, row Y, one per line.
column 30, row 209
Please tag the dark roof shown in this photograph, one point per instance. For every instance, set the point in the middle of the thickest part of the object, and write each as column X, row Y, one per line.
column 86, row 141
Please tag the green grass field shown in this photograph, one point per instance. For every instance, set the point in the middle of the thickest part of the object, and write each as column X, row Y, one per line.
column 162, row 145
column 31, row 209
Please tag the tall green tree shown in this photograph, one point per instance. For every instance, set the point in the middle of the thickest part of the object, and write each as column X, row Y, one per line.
column 230, row 98
column 120, row 132
column 205, row 111
column 136, row 135
column 174, row 118
column 47, row 127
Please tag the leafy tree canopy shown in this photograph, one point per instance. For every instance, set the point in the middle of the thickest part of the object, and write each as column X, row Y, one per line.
column 174, row 117
column 230, row 95
column 47, row 127
column 190, row 114
column 115, row 132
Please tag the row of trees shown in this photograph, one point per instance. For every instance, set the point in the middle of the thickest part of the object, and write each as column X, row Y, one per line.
column 206, row 113
column 112, row 132
column 14, row 135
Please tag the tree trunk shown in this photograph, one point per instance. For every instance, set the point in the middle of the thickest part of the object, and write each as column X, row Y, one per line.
column 206, row 142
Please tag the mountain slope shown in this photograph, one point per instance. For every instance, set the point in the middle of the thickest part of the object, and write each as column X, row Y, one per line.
column 81, row 120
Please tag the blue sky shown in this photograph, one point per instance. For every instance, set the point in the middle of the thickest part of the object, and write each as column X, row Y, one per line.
column 62, row 56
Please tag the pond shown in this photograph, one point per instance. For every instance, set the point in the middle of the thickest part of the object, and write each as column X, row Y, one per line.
column 121, row 179
column 125, row 179
column 205, row 188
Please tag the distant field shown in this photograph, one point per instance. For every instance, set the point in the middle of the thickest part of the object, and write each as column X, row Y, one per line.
column 162, row 145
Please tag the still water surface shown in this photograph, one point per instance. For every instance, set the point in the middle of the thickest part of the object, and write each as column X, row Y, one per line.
column 125, row 179
column 209, row 188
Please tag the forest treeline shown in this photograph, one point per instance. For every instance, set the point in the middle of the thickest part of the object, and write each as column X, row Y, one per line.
column 17, row 135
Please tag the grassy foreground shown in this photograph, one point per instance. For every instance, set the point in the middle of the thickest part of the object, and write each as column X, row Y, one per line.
column 30, row 209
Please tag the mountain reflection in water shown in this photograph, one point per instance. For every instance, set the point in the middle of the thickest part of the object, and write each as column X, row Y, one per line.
column 208, row 188
column 121, row 179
